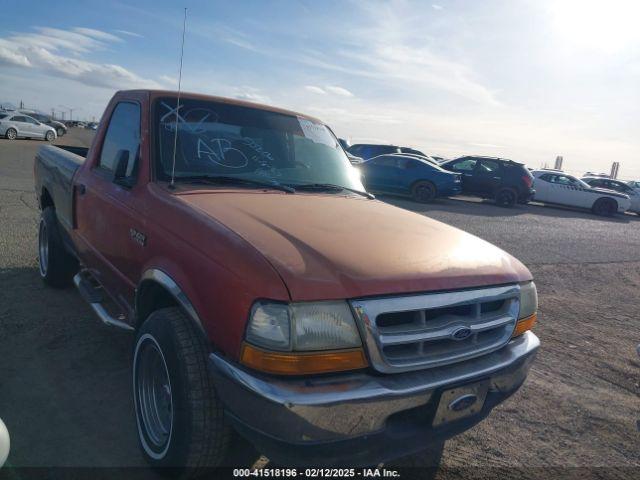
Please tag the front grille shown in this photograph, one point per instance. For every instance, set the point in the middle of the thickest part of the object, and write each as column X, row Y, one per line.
column 424, row 331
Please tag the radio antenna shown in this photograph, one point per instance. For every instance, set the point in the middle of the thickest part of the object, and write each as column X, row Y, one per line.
column 175, row 135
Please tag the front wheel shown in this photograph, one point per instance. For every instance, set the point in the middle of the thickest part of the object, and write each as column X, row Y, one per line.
column 11, row 134
column 424, row 192
column 50, row 136
column 605, row 207
column 60, row 132
column 179, row 416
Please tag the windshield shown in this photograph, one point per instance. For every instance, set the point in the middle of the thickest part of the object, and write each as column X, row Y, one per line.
column 220, row 139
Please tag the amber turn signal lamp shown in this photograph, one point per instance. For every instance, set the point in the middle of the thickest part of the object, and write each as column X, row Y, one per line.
column 302, row 363
column 525, row 324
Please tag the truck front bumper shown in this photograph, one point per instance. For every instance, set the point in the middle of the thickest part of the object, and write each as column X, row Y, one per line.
column 360, row 418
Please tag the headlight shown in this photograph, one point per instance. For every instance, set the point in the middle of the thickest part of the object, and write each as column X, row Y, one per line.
column 528, row 314
column 302, row 338
column 303, row 326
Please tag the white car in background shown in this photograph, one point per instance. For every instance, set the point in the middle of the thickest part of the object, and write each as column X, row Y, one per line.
column 617, row 186
column 18, row 125
column 555, row 186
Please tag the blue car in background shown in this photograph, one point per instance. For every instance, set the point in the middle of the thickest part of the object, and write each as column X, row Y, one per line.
column 409, row 176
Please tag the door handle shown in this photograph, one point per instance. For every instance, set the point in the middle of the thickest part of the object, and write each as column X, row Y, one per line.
column 82, row 189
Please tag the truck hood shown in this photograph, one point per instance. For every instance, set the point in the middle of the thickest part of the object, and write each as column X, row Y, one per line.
column 335, row 246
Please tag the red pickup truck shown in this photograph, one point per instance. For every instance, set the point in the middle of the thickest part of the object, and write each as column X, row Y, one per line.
column 269, row 294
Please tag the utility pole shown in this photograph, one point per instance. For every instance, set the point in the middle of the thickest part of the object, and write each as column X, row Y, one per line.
column 71, row 109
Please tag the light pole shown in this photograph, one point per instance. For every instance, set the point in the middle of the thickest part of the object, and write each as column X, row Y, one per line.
column 71, row 109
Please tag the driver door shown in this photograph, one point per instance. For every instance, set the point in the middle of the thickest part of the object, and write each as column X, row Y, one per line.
column 110, row 215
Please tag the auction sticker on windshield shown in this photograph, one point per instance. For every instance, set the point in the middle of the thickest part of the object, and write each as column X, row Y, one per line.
column 316, row 132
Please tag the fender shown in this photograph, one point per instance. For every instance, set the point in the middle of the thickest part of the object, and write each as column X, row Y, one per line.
column 161, row 278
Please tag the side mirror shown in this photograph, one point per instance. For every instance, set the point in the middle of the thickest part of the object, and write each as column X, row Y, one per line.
column 120, row 173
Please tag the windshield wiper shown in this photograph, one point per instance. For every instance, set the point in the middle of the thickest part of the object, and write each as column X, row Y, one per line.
column 226, row 180
column 332, row 187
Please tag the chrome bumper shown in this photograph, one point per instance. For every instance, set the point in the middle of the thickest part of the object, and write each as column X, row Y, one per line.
column 339, row 407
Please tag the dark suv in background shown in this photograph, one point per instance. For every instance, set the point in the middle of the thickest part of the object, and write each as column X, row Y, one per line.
column 503, row 180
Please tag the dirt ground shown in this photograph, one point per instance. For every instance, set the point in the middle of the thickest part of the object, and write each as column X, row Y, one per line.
column 65, row 379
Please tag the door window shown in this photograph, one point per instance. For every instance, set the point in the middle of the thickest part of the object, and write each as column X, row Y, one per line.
column 123, row 133
column 489, row 166
column 18, row 118
column 465, row 165
column 384, row 161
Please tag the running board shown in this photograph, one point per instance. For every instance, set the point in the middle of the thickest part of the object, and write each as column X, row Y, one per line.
column 95, row 298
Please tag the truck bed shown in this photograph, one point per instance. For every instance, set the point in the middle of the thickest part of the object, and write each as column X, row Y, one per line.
column 54, row 169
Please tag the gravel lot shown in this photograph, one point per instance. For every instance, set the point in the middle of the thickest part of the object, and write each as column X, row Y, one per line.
column 65, row 382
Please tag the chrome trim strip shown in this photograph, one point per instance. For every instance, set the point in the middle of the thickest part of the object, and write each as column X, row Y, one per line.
column 367, row 310
column 172, row 287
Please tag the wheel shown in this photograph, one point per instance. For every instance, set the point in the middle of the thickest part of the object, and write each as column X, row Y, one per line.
column 50, row 136
column 605, row 207
column 421, row 465
column 57, row 266
column 424, row 192
column 11, row 134
column 506, row 197
column 60, row 132
column 179, row 416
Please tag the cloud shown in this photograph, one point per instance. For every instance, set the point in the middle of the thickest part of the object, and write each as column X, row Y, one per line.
column 329, row 89
column 343, row 92
column 314, row 89
column 131, row 34
column 98, row 34
column 437, row 7
column 250, row 94
column 59, row 53
column 168, row 80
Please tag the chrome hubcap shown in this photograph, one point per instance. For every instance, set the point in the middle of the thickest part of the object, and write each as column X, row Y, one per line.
column 153, row 395
column 12, row 134
column 43, row 248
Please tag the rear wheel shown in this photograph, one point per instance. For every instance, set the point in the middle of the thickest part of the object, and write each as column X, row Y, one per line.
column 506, row 197
column 57, row 266
column 11, row 134
column 179, row 415
column 60, row 132
column 605, row 207
column 424, row 192
column 50, row 136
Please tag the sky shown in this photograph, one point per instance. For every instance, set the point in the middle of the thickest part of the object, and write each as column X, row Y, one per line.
column 522, row 79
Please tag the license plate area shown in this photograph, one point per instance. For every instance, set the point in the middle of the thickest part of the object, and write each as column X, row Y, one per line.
column 460, row 402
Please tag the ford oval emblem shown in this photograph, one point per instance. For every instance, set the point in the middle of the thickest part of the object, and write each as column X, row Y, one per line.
column 463, row 402
column 461, row 333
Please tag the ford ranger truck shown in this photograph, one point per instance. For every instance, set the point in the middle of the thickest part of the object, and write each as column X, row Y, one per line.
column 270, row 295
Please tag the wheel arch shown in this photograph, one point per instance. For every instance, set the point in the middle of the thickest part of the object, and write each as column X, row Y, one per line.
column 423, row 180
column 158, row 290
column 46, row 200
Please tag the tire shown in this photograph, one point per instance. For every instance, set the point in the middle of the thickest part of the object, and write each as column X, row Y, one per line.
column 60, row 132
column 421, row 465
column 188, row 432
column 56, row 265
column 605, row 207
column 506, row 197
column 50, row 136
column 424, row 191
column 11, row 134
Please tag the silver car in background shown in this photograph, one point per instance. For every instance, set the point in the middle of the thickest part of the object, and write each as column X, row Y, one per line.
column 18, row 125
